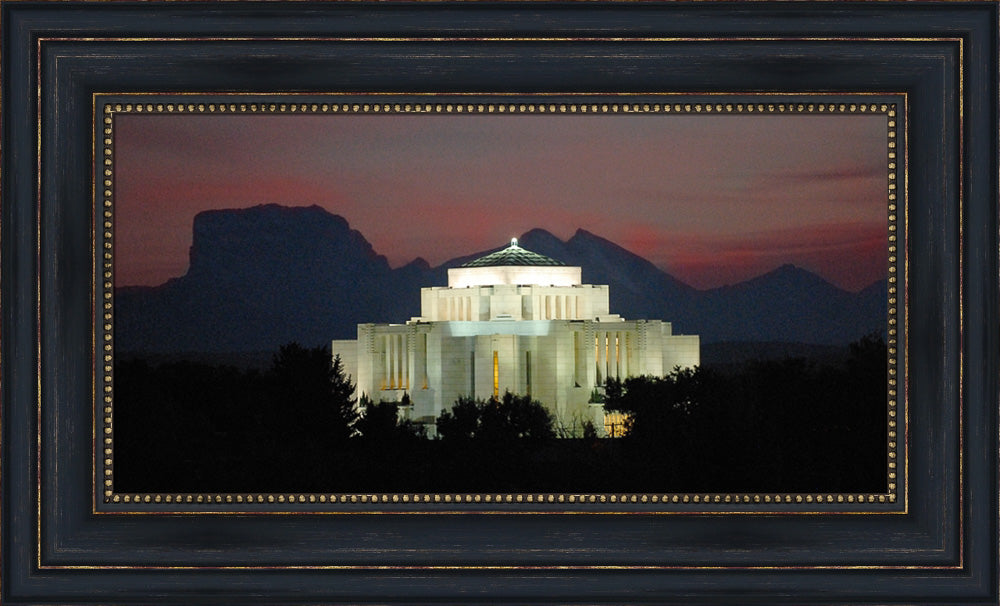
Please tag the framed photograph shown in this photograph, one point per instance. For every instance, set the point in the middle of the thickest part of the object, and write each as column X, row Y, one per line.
column 506, row 371
column 330, row 302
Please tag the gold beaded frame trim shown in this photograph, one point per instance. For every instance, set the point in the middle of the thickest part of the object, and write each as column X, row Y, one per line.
column 893, row 501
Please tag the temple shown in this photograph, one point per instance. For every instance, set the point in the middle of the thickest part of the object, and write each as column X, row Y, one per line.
column 516, row 321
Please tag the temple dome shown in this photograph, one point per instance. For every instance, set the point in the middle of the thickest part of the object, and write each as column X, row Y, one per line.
column 513, row 255
column 513, row 265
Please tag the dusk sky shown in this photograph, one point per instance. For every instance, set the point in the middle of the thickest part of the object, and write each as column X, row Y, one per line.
column 711, row 199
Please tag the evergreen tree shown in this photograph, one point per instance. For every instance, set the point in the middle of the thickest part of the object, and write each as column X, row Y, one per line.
column 316, row 397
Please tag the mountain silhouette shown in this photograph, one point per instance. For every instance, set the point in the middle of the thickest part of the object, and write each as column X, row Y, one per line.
column 263, row 276
column 789, row 304
column 638, row 289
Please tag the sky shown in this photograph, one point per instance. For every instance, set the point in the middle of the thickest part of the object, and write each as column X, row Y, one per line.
column 710, row 199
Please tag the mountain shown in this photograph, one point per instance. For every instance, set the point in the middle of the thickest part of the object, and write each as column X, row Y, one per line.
column 264, row 276
column 637, row 288
column 787, row 304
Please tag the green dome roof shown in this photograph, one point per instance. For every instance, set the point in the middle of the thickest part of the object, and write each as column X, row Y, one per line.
column 512, row 255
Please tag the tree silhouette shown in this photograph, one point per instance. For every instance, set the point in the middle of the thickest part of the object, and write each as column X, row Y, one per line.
column 792, row 425
column 510, row 417
column 787, row 425
column 462, row 421
column 316, row 396
column 380, row 422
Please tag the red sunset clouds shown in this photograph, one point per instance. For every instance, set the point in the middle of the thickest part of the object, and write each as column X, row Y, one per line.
column 712, row 199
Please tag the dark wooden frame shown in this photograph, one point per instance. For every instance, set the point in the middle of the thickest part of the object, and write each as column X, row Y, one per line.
column 56, row 56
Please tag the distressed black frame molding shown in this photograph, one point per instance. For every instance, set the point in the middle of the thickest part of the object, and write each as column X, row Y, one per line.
column 58, row 547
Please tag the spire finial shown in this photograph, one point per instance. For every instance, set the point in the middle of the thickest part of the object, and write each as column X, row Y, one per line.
column 513, row 241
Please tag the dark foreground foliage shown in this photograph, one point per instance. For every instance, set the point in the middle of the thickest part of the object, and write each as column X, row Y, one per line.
column 496, row 420
column 783, row 426
column 786, row 425
column 186, row 426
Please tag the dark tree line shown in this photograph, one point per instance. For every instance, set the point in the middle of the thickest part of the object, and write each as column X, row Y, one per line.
column 187, row 426
column 789, row 425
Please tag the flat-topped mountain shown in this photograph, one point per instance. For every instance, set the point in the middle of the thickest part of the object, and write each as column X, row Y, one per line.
column 264, row 276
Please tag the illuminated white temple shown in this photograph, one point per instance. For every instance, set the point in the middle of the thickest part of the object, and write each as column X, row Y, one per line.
column 515, row 321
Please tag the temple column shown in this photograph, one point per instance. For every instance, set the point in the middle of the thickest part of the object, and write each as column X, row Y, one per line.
column 606, row 344
column 599, row 346
column 388, row 361
column 412, row 371
column 609, row 353
column 400, row 362
column 625, row 360
column 618, row 354
column 395, row 361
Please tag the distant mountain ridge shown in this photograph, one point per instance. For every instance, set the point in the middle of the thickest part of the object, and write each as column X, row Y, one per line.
column 263, row 276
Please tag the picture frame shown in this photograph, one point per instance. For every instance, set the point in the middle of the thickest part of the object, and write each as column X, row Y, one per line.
column 63, row 543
